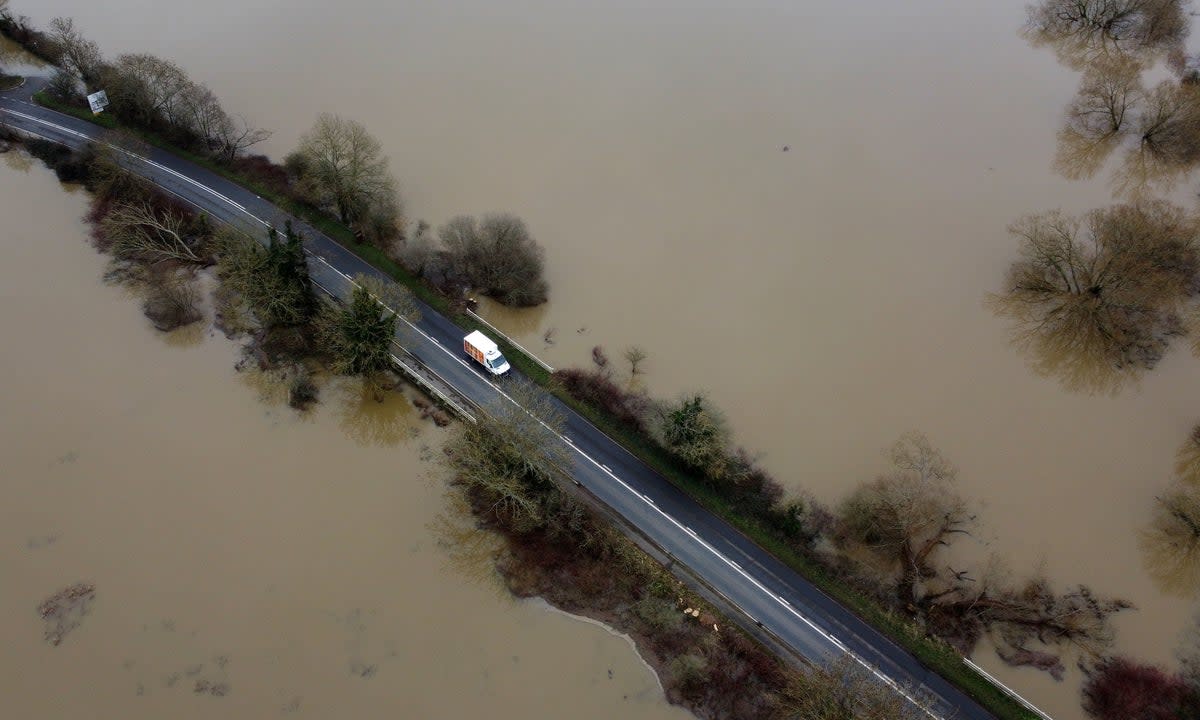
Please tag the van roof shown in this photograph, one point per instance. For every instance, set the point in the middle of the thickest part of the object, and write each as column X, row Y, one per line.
column 483, row 342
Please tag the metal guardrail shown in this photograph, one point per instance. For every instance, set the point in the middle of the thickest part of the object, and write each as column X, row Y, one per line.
column 424, row 383
column 1008, row 691
column 510, row 341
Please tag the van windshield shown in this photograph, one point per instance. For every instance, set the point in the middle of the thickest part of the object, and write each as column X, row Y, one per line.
column 497, row 362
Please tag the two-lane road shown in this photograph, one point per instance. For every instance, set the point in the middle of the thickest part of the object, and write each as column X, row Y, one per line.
column 771, row 595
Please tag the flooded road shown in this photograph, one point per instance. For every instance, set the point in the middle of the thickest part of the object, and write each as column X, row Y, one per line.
column 248, row 562
column 829, row 297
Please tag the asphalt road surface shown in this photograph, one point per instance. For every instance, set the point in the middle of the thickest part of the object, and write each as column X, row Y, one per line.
column 771, row 596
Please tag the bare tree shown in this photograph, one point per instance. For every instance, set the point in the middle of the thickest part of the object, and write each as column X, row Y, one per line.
column 139, row 230
column 1187, row 458
column 634, row 354
column 1171, row 544
column 1168, row 139
column 845, row 690
column 80, row 56
column 904, row 517
column 204, row 114
column 380, row 223
column 417, row 249
column 237, row 135
column 499, row 256
column 1096, row 300
column 1099, row 117
column 171, row 301
column 345, row 168
column 1081, row 31
column 896, row 530
column 200, row 111
column 148, row 88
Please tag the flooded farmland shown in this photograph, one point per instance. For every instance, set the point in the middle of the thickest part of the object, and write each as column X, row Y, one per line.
column 829, row 297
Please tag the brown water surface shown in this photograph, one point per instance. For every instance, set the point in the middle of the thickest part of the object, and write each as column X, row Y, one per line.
column 828, row 297
column 298, row 564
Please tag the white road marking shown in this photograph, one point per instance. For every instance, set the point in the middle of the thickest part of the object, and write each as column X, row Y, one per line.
column 146, row 160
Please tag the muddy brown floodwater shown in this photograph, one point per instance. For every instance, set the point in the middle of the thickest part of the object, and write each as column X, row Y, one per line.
column 246, row 562
column 828, row 297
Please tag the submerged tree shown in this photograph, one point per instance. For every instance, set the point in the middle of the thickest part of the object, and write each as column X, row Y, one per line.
column 904, row 517
column 499, row 256
column 1081, row 31
column 1187, row 458
column 1167, row 136
column 1121, row 689
column 1099, row 117
column 1096, row 300
column 634, row 355
column 1171, row 544
column 897, row 530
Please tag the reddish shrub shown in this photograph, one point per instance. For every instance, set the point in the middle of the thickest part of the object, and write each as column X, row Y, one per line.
column 753, row 483
column 260, row 169
column 101, row 206
column 599, row 358
column 1121, row 689
column 596, row 389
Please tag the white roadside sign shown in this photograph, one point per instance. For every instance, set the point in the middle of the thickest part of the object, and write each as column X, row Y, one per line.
column 98, row 101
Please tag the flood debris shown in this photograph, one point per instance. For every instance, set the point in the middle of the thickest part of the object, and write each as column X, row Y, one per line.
column 39, row 542
column 209, row 687
column 64, row 610
column 429, row 411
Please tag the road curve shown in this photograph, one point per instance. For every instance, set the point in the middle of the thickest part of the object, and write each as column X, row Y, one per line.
column 771, row 595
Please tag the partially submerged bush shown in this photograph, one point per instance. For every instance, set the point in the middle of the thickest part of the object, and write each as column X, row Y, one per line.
column 497, row 256
column 302, row 391
column 630, row 408
column 172, row 301
column 1120, row 689
column 70, row 166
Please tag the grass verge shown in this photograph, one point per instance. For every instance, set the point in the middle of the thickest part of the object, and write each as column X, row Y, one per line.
column 935, row 655
column 10, row 82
